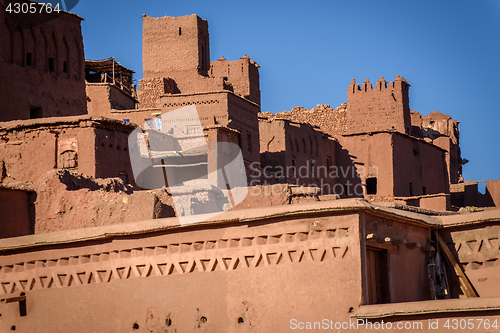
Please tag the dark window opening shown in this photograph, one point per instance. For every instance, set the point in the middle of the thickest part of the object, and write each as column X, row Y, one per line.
column 424, row 190
column 52, row 64
column 22, row 306
column 371, row 185
column 328, row 164
column 312, row 169
column 240, row 140
column 180, row 31
column 378, row 276
column 35, row 112
column 65, row 67
column 249, row 139
column 415, row 152
column 411, row 189
column 29, row 59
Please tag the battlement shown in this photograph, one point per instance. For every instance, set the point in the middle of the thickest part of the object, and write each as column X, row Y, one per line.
column 242, row 74
column 380, row 85
column 380, row 108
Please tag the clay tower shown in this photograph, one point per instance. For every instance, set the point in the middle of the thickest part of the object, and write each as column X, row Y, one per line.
column 383, row 108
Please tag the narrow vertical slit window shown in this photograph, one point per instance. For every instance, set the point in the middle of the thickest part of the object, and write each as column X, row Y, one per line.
column 249, row 142
column 29, row 59
column 52, row 65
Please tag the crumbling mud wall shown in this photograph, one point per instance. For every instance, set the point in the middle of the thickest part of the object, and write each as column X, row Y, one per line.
column 328, row 120
column 66, row 200
column 91, row 146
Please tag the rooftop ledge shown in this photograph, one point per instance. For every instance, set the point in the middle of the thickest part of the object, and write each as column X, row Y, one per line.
column 428, row 307
column 322, row 208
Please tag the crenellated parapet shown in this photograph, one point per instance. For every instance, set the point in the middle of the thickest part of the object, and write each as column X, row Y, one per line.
column 399, row 84
column 382, row 107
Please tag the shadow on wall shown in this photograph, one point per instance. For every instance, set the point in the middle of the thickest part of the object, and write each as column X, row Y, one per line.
column 348, row 176
column 341, row 178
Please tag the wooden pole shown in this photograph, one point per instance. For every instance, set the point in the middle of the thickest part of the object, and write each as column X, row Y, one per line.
column 465, row 284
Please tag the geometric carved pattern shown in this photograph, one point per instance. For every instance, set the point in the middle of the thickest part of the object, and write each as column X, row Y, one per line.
column 479, row 248
column 177, row 104
column 179, row 258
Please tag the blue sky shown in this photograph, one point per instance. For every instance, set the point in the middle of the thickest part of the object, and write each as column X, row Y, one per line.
column 449, row 51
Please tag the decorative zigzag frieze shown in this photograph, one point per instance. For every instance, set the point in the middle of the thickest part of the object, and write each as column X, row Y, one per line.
column 478, row 249
column 179, row 258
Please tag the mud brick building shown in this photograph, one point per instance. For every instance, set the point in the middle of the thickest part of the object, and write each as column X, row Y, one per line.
column 42, row 65
column 398, row 154
column 79, row 240
column 178, row 72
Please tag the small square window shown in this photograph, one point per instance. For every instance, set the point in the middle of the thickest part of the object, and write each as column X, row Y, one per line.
column 35, row 112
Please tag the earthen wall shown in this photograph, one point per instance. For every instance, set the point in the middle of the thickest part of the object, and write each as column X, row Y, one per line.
column 182, row 264
column 42, row 66
column 17, row 212
column 297, row 154
column 419, row 167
